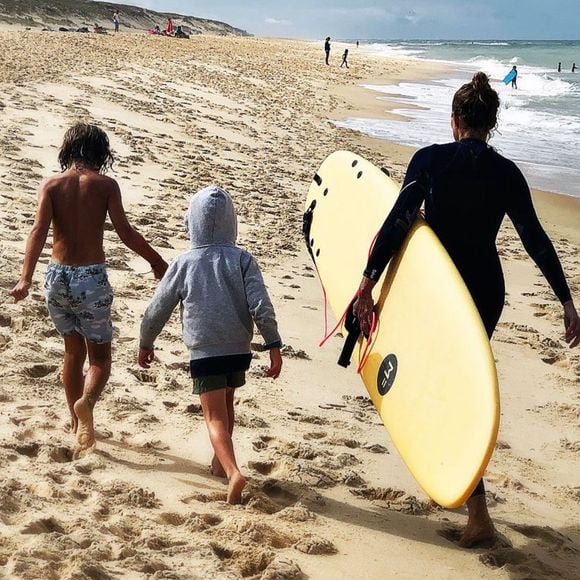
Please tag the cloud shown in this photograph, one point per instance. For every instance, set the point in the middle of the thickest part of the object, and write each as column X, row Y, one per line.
column 276, row 21
column 366, row 12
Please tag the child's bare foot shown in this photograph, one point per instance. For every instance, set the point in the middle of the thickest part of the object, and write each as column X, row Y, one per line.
column 85, row 430
column 235, row 488
column 71, row 426
column 216, row 468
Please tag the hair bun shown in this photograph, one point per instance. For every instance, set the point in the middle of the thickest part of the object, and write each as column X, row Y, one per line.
column 480, row 81
column 476, row 104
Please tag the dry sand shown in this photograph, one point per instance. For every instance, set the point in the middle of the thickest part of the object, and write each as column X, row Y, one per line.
column 329, row 496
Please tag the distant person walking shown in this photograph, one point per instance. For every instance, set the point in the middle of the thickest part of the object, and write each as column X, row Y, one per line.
column 574, row 67
column 169, row 27
column 515, row 79
column 116, row 20
column 344, row 58
column 559, row 67
column 357, row 43
column 327, row 48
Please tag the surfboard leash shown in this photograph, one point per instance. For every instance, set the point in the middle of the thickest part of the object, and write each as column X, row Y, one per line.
column 351, row 324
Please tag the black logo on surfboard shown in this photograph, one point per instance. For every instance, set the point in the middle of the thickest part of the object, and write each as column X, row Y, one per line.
column 387, row 374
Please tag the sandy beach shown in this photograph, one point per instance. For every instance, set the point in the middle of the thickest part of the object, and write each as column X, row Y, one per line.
column 328, row 496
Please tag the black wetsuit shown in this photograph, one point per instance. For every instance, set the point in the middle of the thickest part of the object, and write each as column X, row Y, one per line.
column 468, row 188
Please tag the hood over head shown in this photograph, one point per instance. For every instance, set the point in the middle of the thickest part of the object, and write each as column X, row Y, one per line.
column 211, row 218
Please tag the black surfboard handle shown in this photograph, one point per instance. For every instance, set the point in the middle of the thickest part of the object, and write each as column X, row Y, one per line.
column 353, row 329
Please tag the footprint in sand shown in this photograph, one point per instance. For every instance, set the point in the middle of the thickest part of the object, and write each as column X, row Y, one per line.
column 263, row 467
column 547, row 537
column 518, row 563
column 315, row 546
column 396, row 500
column 261, row 442
column 43, row 526
column 353, row 479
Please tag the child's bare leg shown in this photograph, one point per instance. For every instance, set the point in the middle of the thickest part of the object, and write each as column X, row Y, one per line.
column 216, row 466
column 75, row 354
column 95, row 381
column 215, row 412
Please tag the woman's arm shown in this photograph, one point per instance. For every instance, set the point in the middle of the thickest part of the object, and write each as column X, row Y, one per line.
column 391, row 236
column 520, row 209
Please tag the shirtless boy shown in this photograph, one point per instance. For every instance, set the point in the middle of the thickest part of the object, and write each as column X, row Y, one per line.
column 78, row 294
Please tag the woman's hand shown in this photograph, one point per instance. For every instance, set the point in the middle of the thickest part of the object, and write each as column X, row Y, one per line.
column 571, row 324
column 364, row 306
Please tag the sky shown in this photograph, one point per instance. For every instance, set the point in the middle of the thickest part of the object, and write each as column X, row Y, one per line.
column 389, row 19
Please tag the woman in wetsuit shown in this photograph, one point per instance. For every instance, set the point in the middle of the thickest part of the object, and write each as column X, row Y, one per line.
column 468, row 188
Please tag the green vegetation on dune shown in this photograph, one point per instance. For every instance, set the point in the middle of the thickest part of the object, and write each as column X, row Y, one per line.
column 88, row 12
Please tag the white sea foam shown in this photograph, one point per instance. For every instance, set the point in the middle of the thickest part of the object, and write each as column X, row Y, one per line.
column 539, row 124
column 394, row 51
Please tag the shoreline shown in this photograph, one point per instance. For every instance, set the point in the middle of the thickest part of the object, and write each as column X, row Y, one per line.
column 380, row 106
column 559, row 210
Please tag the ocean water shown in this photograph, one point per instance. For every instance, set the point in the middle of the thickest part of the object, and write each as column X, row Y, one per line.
column 539, row 124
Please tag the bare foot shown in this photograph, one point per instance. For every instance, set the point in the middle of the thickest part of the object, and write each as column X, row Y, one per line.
column 85, row 431
column 477, row 534
column 235, row 488
column 479, row 527
column 71, row 426
column 216, row 468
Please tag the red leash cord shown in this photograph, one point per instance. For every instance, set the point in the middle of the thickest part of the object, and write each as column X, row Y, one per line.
column 375, row 322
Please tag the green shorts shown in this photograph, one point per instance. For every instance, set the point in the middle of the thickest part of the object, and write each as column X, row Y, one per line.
column 215, row 382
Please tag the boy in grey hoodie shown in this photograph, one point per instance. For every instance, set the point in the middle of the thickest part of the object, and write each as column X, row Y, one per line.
column 222, row 293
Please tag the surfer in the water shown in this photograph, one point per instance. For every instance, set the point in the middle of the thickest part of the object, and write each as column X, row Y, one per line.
column 515, row 77
column 468, row 188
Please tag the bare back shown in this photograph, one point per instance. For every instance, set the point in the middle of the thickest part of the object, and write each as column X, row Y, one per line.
column 80, row 201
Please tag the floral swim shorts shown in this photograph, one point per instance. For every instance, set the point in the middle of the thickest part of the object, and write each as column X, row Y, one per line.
column 79, row 299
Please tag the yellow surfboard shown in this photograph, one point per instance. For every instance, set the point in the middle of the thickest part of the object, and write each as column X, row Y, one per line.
column 431, row 373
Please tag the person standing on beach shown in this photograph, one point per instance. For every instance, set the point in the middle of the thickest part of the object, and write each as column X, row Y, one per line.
column 467, row 225
column 222, row 294
column 169, row 27
column 344, row 57
column 78, row 294
column 515, row 79
column 327, row 49
column 116, row 20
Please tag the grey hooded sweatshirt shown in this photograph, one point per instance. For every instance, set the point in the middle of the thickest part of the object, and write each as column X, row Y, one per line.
column 220, row 286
